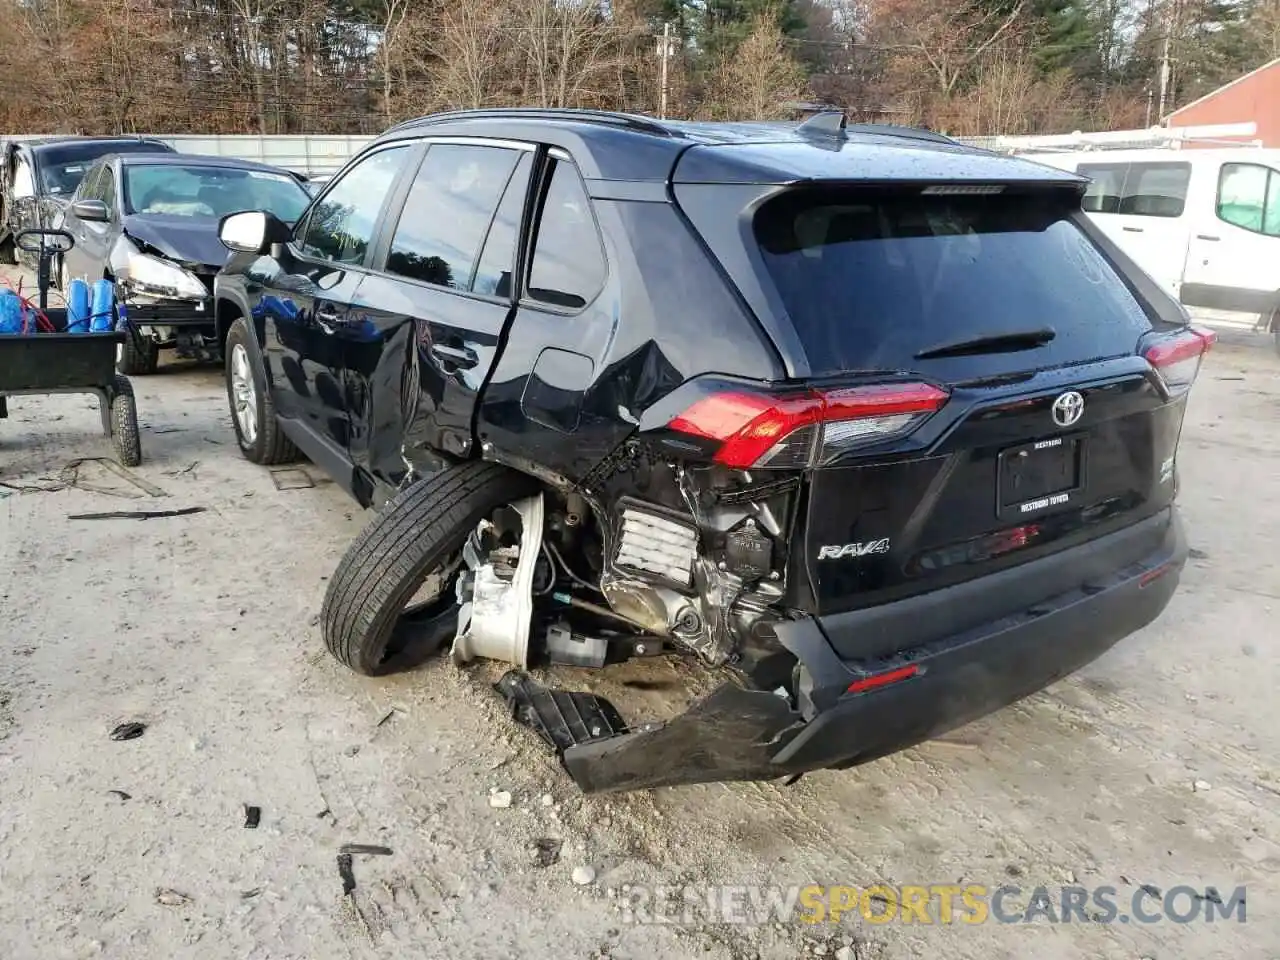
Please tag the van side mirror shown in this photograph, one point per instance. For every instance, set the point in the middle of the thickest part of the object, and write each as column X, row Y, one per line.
column 253, row 231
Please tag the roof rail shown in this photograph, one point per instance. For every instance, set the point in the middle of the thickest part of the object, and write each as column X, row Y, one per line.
column 1223, row 134
column 630, row 121
column 895, row 130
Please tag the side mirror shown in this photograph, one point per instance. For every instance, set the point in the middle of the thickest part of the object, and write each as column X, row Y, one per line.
column 253, row 231
column 91, row 211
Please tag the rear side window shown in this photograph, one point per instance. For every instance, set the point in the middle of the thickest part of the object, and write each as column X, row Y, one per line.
column 869, row 280
column 493, row 275
column 568, row 268
column 1136, row 189
column 340, row 225
column 1249, row 197
column 448, row 212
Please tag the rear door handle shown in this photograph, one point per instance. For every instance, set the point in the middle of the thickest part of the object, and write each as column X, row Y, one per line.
column 1132, row 229
column 1205, row 236
column 463, row 358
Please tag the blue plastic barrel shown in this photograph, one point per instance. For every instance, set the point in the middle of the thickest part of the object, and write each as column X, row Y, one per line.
column 12, row 312
column 104, row 301
column 77, row 306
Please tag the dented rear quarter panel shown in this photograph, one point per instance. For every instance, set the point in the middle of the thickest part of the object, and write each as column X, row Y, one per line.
column 570, row 388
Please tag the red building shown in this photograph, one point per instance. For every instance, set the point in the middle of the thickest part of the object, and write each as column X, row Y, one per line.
column 1253, row 98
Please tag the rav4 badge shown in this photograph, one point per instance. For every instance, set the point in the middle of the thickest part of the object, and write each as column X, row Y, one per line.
column 838, row 551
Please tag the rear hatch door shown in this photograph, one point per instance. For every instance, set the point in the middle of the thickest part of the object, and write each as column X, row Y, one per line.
column 1049, row 428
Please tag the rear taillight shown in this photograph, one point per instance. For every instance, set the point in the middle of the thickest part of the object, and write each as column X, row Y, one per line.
column 796, row 430
column 1177, row 358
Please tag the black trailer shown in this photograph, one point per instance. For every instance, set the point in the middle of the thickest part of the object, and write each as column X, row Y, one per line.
column 61, row 362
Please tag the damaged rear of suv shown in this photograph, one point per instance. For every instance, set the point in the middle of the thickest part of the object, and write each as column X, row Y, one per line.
column 874, row 425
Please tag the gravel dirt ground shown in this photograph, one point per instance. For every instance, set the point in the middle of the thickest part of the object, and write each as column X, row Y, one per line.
column 1156, row 765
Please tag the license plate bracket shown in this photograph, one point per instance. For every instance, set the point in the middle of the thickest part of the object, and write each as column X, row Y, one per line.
column 1036, row 477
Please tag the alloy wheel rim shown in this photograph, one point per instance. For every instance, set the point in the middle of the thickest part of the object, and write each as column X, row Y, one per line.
column 244, row 396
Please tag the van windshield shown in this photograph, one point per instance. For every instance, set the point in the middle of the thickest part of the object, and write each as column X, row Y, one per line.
column 871, row 279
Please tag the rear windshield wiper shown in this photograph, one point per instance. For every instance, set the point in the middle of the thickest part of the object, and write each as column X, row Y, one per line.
column 990, row 343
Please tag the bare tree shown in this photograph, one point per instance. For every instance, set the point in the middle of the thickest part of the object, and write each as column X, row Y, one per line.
column 394, row 14
column 570, row 50
column 943, row 38
column 468, row 52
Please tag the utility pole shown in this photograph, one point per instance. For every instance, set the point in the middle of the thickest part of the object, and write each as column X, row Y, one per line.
column 1164, row 78
column 664, row 51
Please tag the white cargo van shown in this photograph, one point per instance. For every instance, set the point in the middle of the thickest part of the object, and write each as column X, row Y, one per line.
column 1204, row 223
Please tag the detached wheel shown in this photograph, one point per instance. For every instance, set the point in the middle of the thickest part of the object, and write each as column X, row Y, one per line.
column 390, row 603
column 136, row 356
column 124, row 424
column 253, row 413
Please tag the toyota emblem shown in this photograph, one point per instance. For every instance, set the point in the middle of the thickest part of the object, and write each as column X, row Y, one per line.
column 1068, row 408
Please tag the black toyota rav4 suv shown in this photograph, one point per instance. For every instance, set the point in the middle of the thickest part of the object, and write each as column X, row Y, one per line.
column 877, row 425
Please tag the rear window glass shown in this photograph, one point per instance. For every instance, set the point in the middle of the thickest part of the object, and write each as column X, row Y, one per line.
column 870, row 280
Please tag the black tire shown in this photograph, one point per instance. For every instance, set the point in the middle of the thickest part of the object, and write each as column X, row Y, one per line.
column 124, row 424
column 1275, row 327
column 414, row 534
column 138, row 357
column 270, row 445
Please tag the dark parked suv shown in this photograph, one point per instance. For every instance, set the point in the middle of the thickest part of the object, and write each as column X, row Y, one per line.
column 877, row 425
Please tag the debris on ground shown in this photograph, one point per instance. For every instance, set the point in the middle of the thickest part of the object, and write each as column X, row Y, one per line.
column 291, row 478
column 499, row 799
column 365, row 849
column 252, row 816
column 548, row 799
column 171, row 898
column 128, row 731
column 345, row 861
column 136, row 514
column 121, row 794
column 546, row 851
column 345, row 872
column 1200, row 786
column 584, row 875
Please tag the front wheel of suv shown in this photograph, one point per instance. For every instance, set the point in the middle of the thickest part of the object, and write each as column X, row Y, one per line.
column 391, row 602
column 253, row 414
